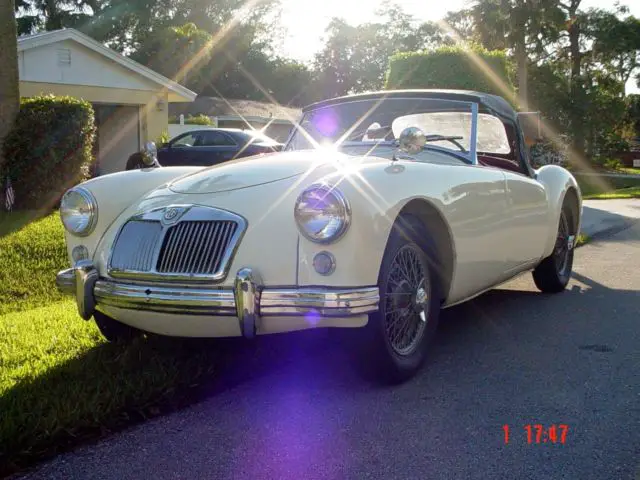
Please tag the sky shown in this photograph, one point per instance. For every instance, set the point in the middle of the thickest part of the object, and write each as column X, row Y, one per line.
column 305, row 20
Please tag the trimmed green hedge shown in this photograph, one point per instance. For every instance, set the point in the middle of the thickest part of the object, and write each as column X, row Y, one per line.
column 48, row 150
column 451, row 67
column 200, row 119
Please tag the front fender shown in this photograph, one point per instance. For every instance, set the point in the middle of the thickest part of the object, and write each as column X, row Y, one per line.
column 557, row 182
column 377, row 194
column 114, row 193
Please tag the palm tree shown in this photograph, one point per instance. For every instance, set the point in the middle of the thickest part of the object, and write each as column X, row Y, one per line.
column 9, row 92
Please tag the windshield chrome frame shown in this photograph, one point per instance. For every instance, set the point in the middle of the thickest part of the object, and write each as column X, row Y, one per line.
column 471, row 156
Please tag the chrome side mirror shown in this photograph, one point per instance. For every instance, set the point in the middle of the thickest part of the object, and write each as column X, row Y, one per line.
column 412, row 140
column 149, row 154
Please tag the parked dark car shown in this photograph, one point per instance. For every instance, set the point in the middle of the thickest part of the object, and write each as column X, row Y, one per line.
column 210, row 146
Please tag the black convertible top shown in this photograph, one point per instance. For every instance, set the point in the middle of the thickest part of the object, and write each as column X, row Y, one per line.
column 487, row 103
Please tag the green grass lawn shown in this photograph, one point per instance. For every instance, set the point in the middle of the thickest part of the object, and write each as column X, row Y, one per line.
column 629, row 170
column 596, row 186
column 30, row 258
column 631, row 192
column 59, row 380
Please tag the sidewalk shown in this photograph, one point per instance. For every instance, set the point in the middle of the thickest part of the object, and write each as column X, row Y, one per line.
column 603, row 217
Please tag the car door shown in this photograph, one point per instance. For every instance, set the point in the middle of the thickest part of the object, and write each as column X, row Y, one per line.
column 527, row 221
column 215, row 146
column 475, row 204
column 180, row 151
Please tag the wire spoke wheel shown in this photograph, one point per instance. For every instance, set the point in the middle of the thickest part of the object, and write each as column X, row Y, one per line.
column 406, row 301
column 561, row 250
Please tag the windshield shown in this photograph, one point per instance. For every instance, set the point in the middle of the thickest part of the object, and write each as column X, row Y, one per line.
column 376, row 120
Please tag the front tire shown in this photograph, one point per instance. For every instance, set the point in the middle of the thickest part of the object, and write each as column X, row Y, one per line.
column 113, row 330
column 396, row 339
column 554, row 272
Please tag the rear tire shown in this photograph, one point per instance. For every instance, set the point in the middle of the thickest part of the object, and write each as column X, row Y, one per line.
column 113, row 330
column 554, row 272
column 396, row 338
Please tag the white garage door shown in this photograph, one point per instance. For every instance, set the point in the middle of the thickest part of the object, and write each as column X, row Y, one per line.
column 118, row 136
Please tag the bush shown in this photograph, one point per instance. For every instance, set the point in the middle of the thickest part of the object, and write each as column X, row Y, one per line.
column 200, row 119
column 547, row 153
column 163, row 138
column 612, row 164
column 48, row 150
column 450, row 67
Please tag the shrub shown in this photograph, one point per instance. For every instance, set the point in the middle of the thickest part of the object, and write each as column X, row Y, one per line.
column 451, row 67
column 163, row 138
column 613, row 164
column 48, row 150
column 200, row 119
column 547, row 153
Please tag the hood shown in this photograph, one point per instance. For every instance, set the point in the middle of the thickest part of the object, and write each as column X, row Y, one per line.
column 262, row 169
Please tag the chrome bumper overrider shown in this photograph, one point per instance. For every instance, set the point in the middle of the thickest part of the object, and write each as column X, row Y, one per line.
column 248, row 300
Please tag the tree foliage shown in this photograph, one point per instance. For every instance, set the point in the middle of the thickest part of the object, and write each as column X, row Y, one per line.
column 355, row 58
column 451, row 67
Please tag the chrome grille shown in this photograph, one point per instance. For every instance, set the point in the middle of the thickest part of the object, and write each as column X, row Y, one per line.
column 136, row 245
column 195, row 247
column 177, row 243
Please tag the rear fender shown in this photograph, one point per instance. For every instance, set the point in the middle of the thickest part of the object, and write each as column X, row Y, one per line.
column 558, row 183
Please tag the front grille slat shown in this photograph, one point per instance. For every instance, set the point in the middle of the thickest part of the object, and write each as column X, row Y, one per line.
column 218, row 244
column 228, row 231
column 197, row 246
column 202, row 244
column 191, row 247
column 175, row 260
column 135, row 245
column 170, row 249
column 213, row 243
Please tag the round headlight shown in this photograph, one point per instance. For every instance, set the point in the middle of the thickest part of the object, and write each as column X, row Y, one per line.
column 322, row 213
column 79, row 211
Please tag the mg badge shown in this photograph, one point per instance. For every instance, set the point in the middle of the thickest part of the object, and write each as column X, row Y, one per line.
column 172, row 214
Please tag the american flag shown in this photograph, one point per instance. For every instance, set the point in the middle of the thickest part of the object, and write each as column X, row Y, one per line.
column 9, row 195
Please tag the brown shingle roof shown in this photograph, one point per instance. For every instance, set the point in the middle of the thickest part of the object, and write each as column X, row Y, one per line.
column 215, row 106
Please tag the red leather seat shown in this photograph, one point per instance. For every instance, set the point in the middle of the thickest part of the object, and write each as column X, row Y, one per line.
column 503, row 163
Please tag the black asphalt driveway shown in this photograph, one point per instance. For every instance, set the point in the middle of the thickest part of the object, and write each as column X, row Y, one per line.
column 295, row 408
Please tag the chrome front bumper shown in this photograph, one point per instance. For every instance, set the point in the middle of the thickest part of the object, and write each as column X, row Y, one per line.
column 248, row 300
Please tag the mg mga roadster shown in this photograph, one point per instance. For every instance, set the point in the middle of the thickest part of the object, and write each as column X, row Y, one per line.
column 382, row 209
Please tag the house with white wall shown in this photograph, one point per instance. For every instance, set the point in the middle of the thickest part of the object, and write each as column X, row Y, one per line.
column 131, row 101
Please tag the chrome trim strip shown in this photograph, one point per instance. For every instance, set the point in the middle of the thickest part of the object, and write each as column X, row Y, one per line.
column 473, row 141
column 272, row 302
column 248, row 300
column 186, row 213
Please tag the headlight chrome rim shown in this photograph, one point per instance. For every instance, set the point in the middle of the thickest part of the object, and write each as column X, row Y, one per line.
column 343, row 203
column 92, row 205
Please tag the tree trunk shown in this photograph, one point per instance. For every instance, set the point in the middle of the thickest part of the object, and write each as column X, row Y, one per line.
column 9, row 92
column 520, row 50
column 576, row 88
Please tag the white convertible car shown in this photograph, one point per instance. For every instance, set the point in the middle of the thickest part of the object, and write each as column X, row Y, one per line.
column 383, row 209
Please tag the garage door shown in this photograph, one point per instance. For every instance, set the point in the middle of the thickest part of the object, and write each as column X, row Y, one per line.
column 118, row 136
